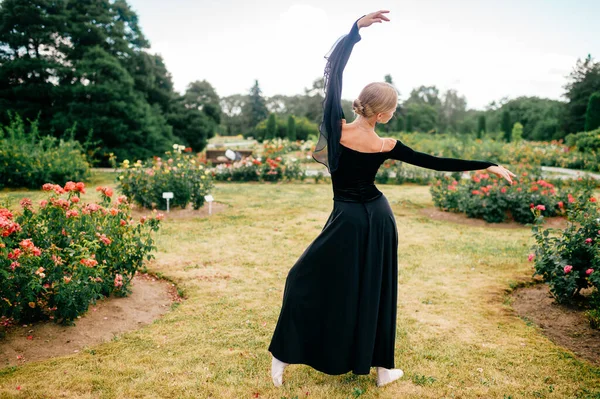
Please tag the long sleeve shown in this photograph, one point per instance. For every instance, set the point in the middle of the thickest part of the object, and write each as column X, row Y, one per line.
column 406, row 154
column 327, row 149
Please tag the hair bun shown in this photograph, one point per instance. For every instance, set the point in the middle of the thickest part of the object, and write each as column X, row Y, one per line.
column 358, row 107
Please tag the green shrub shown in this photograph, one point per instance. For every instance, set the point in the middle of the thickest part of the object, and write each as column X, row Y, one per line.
column 303, row 126
column 28, row 160
column 180, row 173
column 485, row 196
column 586, row 142
column 569, row 260
column 57, row 259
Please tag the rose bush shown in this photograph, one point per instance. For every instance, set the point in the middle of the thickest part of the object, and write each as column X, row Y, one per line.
column 56, row 259
column 257, row 169
column 180, row 172
column 487, row 197
column 569, row 260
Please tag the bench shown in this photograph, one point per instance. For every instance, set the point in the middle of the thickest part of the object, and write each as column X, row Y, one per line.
column 218, row 156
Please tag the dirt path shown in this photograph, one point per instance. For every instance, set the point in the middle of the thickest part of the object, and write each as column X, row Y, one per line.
column 151, row 298
column 564, row 325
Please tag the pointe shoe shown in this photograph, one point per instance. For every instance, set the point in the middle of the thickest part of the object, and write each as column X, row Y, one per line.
column 385, row 376
column 277, row 367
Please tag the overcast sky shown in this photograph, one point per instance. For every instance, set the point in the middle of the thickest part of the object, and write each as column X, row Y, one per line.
column 485, row 49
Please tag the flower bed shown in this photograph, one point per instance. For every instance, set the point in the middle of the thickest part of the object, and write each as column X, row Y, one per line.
column 255, row 169
column 487, row 197
column 180, row 173
column 569, row 260
column 57, row 259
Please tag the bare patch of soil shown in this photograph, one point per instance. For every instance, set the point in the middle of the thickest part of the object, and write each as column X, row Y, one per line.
column 555, row 222
column 179, row 213
column 565, row 325
column 150, row 298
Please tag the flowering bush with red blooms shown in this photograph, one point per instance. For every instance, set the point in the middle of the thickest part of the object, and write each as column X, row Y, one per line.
column 56, row 259
column 179, row 172
column 257, row 169
column 493, row 199
column 569, row 260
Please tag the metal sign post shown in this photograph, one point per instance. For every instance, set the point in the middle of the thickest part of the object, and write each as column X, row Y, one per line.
column 167, row 195
column 209, row 199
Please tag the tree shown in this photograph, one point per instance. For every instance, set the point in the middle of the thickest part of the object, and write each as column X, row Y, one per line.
column 191, row 126
column 423, row 117
column 256, row 107
column 232, row 117
column 531, row 111
column 31, row 57
column 409, row 124
column 424, row 106
column 584, row 80
column 291, row 128
column 104, row 101
column 506, row 125
column 453, row 111
column 425, row 95
column 517, row 132
column 271, row 127
column 400, row 124
column 203, row 97
column 480, row 126
column 592, row 115
column 84, row 62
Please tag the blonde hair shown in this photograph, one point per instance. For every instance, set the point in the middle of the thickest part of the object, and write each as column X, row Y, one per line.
column 376, row 97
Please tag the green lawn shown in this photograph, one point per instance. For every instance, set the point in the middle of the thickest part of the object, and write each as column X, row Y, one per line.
column 457, row 336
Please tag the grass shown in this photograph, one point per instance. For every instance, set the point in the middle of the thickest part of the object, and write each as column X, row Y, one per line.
column 457, row 336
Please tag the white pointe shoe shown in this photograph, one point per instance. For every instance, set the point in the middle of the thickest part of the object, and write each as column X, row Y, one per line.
column 385, row 376
column 277, row 367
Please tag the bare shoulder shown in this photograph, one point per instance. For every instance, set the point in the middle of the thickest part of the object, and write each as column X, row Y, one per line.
column 389, row 143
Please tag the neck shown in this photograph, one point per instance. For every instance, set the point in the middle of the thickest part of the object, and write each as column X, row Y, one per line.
column 367, row 124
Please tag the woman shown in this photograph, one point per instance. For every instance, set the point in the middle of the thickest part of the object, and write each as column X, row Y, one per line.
column 340, row 298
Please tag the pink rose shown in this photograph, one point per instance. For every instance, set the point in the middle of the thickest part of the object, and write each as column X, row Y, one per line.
column 589, row 271
column 540, row 208
column 530, row 257
column 568, row 268
column 588, row 240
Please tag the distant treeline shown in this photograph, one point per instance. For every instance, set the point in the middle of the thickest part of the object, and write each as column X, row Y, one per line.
column 84, row 66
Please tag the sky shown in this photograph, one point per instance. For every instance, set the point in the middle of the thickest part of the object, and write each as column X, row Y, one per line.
column 486, row 50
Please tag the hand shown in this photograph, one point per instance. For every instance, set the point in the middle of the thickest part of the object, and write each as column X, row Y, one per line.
column 501, row 171
column 371, row 18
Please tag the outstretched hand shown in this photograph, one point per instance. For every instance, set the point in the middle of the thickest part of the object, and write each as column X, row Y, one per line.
column 501, row 171
column 373, row 17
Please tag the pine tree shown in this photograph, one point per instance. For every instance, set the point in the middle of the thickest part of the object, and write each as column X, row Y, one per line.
column 506, row 126
column 592, row 115
column 256, row 107
column 481, row 126
column 409, row 123
column 291, row 128
column 584, row 81
column 271, row 127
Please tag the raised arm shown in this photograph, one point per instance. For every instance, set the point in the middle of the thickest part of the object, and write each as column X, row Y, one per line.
column 406, row 154
column 336, row 62
column 327, row 149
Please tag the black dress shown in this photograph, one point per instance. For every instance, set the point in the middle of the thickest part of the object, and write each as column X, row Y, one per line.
column 340, row 297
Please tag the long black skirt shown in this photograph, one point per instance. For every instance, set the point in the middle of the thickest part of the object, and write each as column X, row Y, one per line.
column 340, row 297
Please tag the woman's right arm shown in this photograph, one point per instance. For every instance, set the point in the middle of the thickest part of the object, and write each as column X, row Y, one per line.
column 336, row 62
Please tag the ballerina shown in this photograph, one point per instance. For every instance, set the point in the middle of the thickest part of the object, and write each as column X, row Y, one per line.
column 340, row 297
